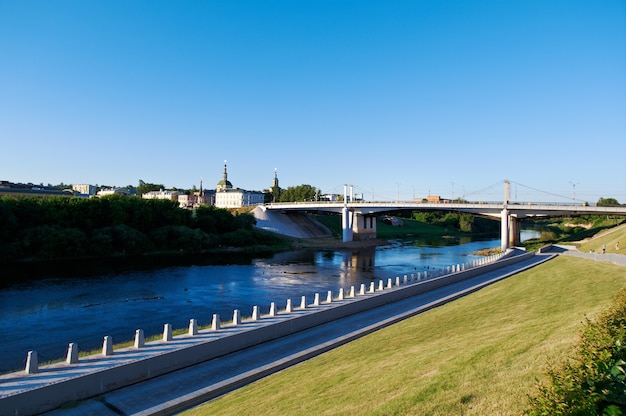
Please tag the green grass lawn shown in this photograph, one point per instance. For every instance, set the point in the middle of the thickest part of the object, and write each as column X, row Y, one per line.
column 609, row 238
column 479, row 355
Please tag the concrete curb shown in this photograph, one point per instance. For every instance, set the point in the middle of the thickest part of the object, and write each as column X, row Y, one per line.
column 55, row 385
column 203, row 395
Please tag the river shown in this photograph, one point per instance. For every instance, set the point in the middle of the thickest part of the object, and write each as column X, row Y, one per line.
column 47, row 313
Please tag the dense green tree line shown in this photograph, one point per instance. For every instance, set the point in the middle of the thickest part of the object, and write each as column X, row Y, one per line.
column 75, row 227
column 300, row 193
column 463, row 222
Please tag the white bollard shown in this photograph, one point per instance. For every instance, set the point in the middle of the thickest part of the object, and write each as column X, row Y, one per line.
column 362, row 290
column 406, row 279
column 289, row 307
column 216, row 323
column 107, row 346
column 380, row 285
column 371, row 287
column 329, row 297
column 255, row 313
column 193, row 327
column 272, row 309
column 72, row 353
column 316, row 300
column 140, row 340
column 352, row 292
column 303, row 302
column 236, row 317
column 340, row 293
column 167, row 332
column 32, row 363
column 389, row 284
column 398, row 280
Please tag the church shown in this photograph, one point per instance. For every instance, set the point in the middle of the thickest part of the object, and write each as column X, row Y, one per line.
column 228, row 197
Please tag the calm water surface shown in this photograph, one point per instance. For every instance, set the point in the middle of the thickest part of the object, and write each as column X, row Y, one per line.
column 48, row 313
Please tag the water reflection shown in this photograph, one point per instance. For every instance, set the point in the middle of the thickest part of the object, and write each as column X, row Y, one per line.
column 46, row 314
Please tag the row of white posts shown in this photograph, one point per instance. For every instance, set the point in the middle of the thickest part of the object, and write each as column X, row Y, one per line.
column 32, row 365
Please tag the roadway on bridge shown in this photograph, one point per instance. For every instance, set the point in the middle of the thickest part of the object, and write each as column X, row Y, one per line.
column 183, row 389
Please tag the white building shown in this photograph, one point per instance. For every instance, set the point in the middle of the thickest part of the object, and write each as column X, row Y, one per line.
column 237, row 198
column 227, row 197
column 113, row 191
column 161, row 194
column 84, row 189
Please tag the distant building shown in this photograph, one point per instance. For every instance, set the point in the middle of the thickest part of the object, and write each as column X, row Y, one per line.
column 85, row 189
column 331, row 197
column 237, row 198
column 196, row 199
column 38, row 191
column 224, row 184
column 227, row 197
column 114, row 191
column 161, row 194
column 273, row 193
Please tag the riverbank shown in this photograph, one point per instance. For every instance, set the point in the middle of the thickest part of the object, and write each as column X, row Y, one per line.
column 481, row 354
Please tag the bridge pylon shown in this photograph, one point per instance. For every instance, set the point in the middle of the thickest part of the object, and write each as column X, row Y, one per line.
column 347, row 216
column 347, row 222
column 504, row 229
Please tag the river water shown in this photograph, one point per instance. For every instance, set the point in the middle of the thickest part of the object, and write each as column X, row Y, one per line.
column 47, row 313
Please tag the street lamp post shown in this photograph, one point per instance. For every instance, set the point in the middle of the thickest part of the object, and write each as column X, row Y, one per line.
column 574, row 186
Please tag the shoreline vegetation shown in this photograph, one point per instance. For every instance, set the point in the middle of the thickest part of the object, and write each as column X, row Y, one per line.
column 77, row 237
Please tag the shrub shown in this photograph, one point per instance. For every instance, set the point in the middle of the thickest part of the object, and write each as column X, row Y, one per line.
column 593, row 382
column 182, row 238
column 52, row 241
column 119, row 239
column 213, row 220
column 239, row 238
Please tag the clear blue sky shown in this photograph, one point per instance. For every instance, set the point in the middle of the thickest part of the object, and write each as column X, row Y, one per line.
column 398, row 98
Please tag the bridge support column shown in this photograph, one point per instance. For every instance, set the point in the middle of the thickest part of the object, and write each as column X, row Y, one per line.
column 364, row 227
column 504, row 229
column 347, row 216
column 347, row 219
column 514, row 231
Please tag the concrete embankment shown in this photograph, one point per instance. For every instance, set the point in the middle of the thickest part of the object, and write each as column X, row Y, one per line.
column 52, row 386
column 292, row 224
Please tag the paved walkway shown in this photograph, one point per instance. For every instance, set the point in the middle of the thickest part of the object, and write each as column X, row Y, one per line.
column 566, row 250
column 180, row 390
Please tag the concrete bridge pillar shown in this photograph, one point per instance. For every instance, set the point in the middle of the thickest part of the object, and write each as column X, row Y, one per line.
column 364, row 227
column 347, row 218
column 514, row 231
column 504, row 229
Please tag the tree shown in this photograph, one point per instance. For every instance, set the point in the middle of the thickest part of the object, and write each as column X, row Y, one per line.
column 603, row 202
column 299, row 193
column 213, row 220
column 148, row 187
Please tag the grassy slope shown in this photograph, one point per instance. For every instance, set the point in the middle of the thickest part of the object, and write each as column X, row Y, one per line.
column 608, row 237
column 478, row 355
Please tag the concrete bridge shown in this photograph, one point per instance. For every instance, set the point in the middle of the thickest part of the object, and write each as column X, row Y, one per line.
column 359, row 217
